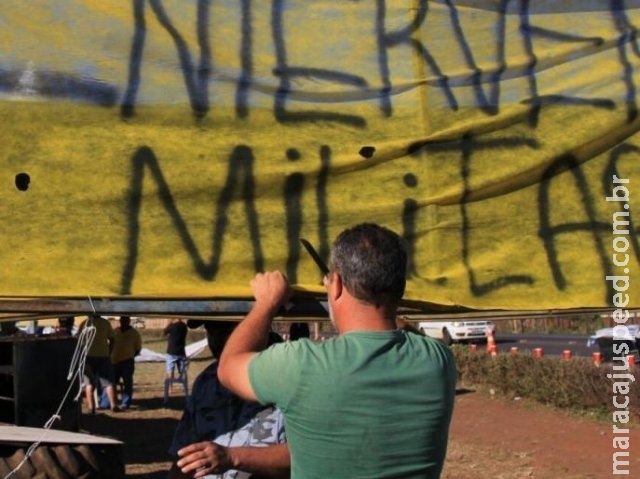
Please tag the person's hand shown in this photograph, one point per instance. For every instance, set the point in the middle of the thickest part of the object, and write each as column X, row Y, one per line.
column 204, row 458
column 271, row 289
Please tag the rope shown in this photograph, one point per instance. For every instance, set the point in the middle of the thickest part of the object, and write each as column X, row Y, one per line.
column 76, row 369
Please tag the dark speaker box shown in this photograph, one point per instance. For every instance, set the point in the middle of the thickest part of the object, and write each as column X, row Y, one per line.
column 34, row 384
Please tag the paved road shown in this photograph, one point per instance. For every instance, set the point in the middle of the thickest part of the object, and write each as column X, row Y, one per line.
column 551, row 344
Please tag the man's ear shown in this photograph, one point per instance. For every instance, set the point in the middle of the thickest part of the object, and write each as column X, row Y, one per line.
column 337, row 286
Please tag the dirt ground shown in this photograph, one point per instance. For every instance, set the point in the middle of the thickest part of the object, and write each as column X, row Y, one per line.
column 490, row 437
column 512, row 439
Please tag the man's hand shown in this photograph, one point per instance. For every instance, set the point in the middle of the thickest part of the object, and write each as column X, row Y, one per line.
column 270, row 290
column 204, row 458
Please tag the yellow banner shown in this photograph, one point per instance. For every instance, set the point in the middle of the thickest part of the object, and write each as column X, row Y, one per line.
column 174, row 148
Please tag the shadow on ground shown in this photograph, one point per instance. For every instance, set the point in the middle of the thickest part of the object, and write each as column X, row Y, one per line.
column 461, row 391
column 146, row 431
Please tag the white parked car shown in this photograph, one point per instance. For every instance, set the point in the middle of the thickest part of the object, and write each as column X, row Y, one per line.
column 457, row 331
column 604, row 339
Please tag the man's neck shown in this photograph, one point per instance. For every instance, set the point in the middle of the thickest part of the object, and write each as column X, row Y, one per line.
column 364, row 318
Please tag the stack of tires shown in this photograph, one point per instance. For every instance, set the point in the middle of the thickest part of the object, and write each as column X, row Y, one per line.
column 63, row 461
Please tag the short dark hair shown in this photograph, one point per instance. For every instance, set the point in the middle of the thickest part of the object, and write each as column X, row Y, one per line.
column 66, row 321
column 299, row 330
column 218, row 333
column 372, row 262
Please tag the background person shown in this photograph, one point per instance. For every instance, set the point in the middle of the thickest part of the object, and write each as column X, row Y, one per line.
column 221, row 433
column 376, row 401
column 10, row 328
column 176, row 333
column 127, row 344
column 98, row 368
column 298, row 331
column 65, row 326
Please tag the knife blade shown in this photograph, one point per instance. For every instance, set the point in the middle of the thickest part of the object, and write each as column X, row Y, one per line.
column 315, row 256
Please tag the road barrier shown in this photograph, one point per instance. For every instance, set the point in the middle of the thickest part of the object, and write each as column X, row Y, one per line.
column 492, row 348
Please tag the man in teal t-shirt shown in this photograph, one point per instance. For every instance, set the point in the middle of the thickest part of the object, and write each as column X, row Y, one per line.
column 376, row 401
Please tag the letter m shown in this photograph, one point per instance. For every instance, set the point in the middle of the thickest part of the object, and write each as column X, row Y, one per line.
column 617, row 223
column 617, row 462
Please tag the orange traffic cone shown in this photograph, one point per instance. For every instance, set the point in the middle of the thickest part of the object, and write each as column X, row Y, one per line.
column 492, row 348
column 631, row 361
column 597, row 358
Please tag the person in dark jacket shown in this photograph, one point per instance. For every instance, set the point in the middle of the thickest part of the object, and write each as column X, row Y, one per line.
column 176, row 333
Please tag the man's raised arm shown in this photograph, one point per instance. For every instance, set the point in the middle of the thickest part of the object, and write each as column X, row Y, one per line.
column 271, row 291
